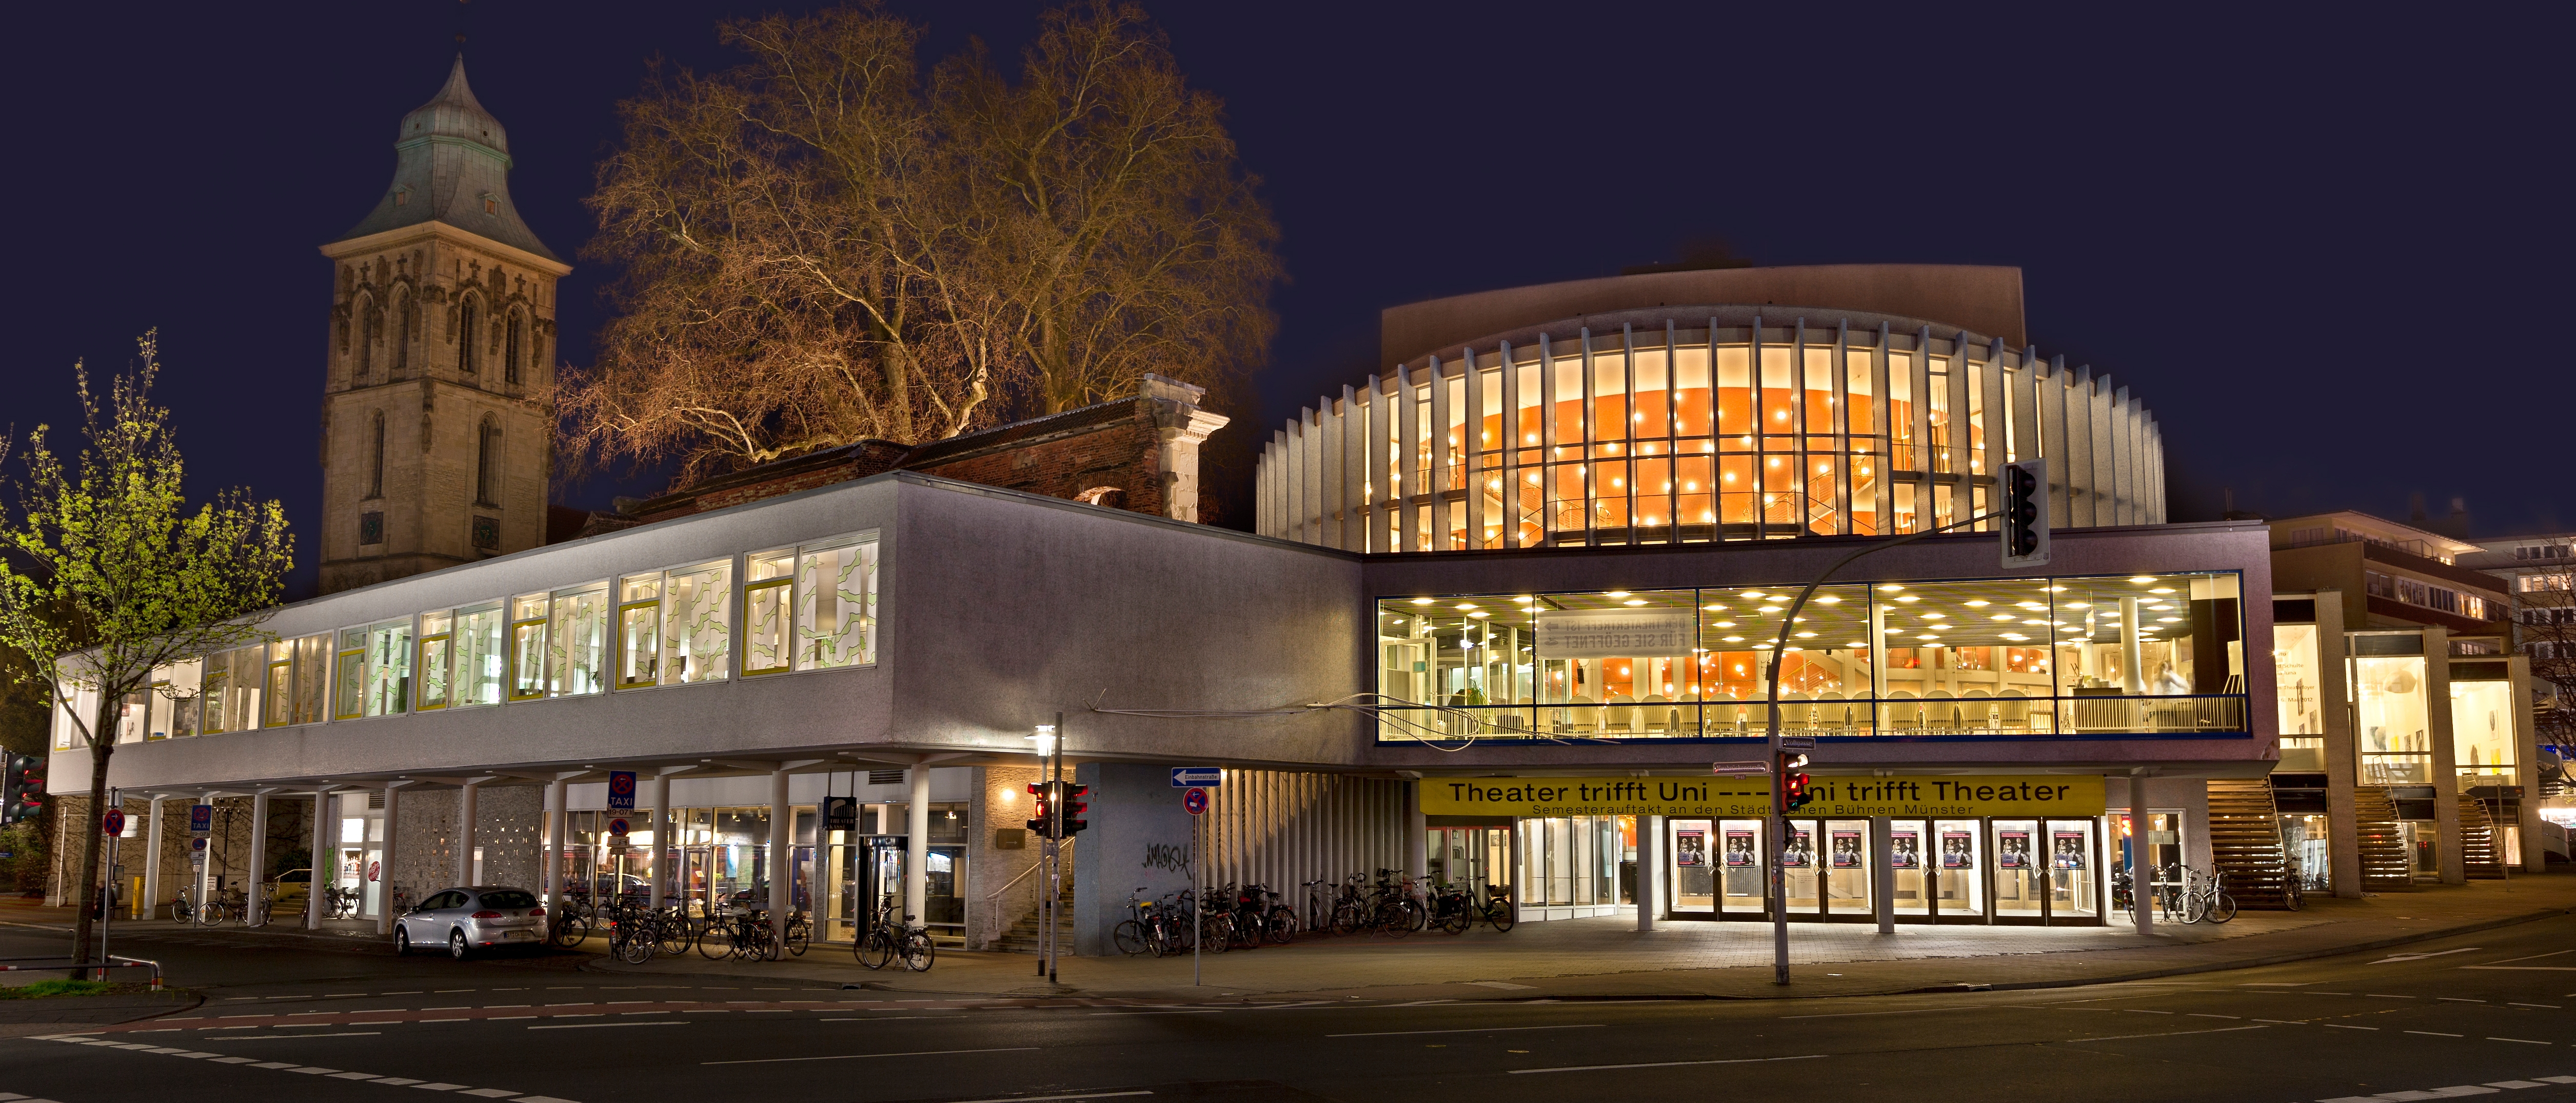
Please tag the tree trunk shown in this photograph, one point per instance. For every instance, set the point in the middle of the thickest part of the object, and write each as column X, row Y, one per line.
column 102, row 738
column 898, row 380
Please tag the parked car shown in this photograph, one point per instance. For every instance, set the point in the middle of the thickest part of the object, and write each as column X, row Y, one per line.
column 467, row 919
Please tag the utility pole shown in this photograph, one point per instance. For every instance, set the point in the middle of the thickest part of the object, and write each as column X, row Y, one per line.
column 1055, row 849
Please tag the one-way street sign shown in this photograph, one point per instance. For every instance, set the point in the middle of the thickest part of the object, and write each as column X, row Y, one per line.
column 1197, row 777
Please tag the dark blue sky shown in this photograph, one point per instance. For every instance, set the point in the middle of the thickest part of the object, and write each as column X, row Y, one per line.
column 2322, row 246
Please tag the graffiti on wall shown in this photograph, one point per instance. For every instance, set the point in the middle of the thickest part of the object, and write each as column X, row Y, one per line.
column 1166, row 856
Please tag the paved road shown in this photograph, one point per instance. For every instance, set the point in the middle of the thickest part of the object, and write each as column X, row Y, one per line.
column 2490, row 1013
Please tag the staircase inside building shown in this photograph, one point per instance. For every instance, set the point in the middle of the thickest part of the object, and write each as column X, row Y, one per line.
column 1026, row 935
column 2245, row 841
column 2478, row 841
column 2382, row 849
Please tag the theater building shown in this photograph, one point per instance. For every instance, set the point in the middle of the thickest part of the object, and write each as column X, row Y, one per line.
column 1510, row 665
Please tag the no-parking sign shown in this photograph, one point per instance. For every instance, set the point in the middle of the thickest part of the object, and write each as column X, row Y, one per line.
column 113, row 823
column 621, row 791
column 1196, row 801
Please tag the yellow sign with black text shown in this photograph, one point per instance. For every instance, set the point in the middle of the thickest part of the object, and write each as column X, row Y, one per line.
column 1997, row 795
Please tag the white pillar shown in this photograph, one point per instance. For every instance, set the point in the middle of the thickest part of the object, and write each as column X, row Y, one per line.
column 780, row 872
column 2132, row 679
column 325, row 861
column 1417, row 832
column 258, row 871
column 199, row 872
column 2142, row 874
column 916, row 848
column 465, row 832
column 1650, row 831
column 385, row 872
column 557, row 796
column 1882, row 874
column 152, row 857
column 661, row 837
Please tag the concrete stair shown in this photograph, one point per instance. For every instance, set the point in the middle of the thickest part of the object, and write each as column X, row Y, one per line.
column 1027, row 934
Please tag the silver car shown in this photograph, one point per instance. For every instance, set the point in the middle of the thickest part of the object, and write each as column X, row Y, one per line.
column 469, row 918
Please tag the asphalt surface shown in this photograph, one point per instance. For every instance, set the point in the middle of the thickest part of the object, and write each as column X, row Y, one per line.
column 2487, row 1013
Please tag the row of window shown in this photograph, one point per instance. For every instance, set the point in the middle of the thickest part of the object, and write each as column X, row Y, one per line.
column 2429, row 596
column 810, row 607
column 515, row 339
column 2540, row 551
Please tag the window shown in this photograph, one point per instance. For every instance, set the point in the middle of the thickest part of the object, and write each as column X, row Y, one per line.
column 2378, row 585
column 487, row 463
column 234, row 681
column 2390, row 709
column 466, row 362
column 528, row 647
column 402, row 334
column 376, row 457
column 388, row 673
column 639, row 630
column 767, row 584
column 510, row 349
column 370, row 326
column 2537, row 583
column 697, row 603
column 480, row 661
column 350, row 677
column 836, row 605
column 577, row 643
column 2482, row 739
column 437, row 645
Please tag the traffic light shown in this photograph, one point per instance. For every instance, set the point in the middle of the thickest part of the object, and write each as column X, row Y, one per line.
column 1038, row 824
column 25, row 795
column 1794, row 791
column 1075, row 804
column 2025, row 513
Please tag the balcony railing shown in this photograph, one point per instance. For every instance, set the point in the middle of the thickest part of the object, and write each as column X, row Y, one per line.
column 1938, row 716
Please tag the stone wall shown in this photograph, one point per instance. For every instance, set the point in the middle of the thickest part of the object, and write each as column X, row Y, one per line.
column 509, row 826
column 1001, row 803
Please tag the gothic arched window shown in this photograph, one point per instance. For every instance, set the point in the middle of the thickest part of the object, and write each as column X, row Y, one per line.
column 465, row 359
column 487, row 463
column 376, row 459
column 369, row 326
column 402, row 335
column 510, row 351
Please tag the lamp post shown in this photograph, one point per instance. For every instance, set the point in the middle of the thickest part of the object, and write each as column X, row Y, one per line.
column 1051, row 758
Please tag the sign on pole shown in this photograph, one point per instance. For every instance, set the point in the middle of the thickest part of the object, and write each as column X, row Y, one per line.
column 1797, row 742
column 201, row 819
column 1196, row 801
column 840, row 813
column 1197, row 777
column 621, row 790
column 113, row 823
column 1739, row 769
column 617, row 826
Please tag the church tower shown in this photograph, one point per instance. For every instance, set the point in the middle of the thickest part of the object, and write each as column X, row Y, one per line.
column 437, row 440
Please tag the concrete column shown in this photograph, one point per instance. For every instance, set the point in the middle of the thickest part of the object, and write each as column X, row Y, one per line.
column 464, row 832
column 2132, row 680
column 781, row 834
column 2142, row 874
column 661, row 837
column 152, row 856
column 2526, row 771
column 1417, row 832
column 2447, row 856
column 325, row 862
column 392, row 852
column 1882, row 874
column 916, row 848
column 2343, row 769
column 258, row 870
column 1650, row 869
column 558, row 796
column 201, row 874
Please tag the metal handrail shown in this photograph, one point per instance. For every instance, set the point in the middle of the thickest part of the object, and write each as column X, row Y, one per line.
column 58, row 964
column 988, row 920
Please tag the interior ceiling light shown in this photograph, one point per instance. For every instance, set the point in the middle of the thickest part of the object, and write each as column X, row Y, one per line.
column 2001, row 617
column 1480, row 615
column 1909, row 598
column 1617, row 593
column 1979, row 603
column 1927, row 636
column 2167, row 620
column 1829, row 599
column 2079, row 605
column 1857, row 643
column 2015, row 636
column 1422, row 601
column 1734, row 639
column 1634, row 601
column 1714, row 608
column 1726, row 624
column 1806, row 635
column 2143, row 579
column 2036, row 623
column 2161, row 590
column 1751, row 595
column 1890, row 588
column 1466, row 605
column 2057, row 589
column 1936, row 616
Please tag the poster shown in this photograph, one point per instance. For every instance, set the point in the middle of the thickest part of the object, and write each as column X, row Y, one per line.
column 1846, row 852
column 1904, row 850
column 1739, row 848
column 1802, row 850
column 2012, row 850
column 2069, row 852
column 1958, row 851
column 1690, row 849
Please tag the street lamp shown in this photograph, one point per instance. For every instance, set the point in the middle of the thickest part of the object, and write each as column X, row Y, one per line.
column 1044, row 737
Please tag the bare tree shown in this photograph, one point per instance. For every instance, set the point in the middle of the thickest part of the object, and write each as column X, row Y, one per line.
column 814, row 250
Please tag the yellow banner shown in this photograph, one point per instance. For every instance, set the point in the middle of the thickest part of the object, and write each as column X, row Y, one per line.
column 2024, row 795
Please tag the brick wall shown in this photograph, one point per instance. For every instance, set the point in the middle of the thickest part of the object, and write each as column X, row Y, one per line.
column 1118, row 455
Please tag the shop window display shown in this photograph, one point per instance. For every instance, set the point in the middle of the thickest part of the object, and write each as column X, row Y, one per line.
column 2390, row 712
column 2298, row 690
column 2482, row 732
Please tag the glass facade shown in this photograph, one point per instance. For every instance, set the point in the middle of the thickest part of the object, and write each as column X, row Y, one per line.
column 2391, row 733
column 2108, row 656
column 2298, row 693
column 1943, row 871
column 2482, row 739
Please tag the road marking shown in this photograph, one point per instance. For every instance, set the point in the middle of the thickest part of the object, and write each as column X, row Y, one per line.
column 2386, row 996
column 2295, row 1022
column 2525, row 1041
column 2277, row 983
column 1908, row 1011
column 1048, row 1098
column 2436, row 953
column 261, row 1037
column 1469, row 1030
column 2550, row 1006
column 2168, row 1034
column 2340, row 1026
column 588, row 1026
column 2457, row 999
column 862, row 1056
column 1670, row 1064
column 2433, row 1033
column 2206, row 1015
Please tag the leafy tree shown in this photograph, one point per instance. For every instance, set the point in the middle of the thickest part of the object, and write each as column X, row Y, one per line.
column 816, row 249
column 106, row 576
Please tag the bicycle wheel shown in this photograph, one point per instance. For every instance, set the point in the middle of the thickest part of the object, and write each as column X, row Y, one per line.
column 633, row 947
column 1283, row 925
column 798, row 937
column 875, row 950
column 673, row 936
column 918, row 953
column 1499, row 913
column 568, row 931
column 1130, row 937
column 1346, row 917
column 2221, row 907
column 1216, row 934
column 2292, row 896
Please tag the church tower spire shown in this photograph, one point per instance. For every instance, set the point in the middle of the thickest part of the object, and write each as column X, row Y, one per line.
column 437, row 444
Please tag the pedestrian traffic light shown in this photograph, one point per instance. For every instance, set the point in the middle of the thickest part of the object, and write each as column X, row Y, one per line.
column 1794, row 792
column 2025, row 513
column 1076, row 802
column 1039, row 824
column 25, row 796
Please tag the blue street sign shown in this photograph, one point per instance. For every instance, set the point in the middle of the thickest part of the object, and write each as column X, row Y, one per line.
column 621, row 789
column 201, row 819
column 1189, row 777
column 1195, row 800
column 617, row 826
column 198, row 845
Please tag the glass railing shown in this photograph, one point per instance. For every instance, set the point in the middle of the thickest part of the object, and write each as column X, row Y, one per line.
column 1931, row 717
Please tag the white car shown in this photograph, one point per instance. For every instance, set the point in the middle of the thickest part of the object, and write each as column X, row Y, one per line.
column 464, row 919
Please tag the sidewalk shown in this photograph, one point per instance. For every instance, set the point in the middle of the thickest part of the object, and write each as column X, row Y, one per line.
column 1609, row 958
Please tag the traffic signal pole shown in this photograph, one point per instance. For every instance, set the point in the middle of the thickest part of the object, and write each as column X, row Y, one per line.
column 1779, row 780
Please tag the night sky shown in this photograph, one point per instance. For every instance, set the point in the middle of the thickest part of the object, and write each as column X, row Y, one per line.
column 2318, row 247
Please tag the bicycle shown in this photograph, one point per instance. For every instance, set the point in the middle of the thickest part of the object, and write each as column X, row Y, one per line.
column 1452, row 910
column 339, row 903
column 1498, row 911
column 1215, row 922
column 798, row 935
column 183, row 909
column 1139, row 932
column 630, row 935
column 2208, row 900
column 257, row 912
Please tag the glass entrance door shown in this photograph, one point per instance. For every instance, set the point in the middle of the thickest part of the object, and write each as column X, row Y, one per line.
column 2074, row 888
column 1905, row 858
column 1846, row 869
column 1744, row 879
column 1694, row 881
column 1800, row 873
column 2018, row 881
column 1959, row 886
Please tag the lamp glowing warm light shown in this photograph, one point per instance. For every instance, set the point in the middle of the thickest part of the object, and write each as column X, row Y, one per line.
column 1044, row 737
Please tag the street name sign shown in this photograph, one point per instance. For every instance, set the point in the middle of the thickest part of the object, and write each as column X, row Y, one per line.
column 1797, row 742
column 1197, row 777
column 1739, row 769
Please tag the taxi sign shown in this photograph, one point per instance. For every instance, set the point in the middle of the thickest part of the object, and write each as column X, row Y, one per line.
column 201, row 819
